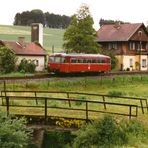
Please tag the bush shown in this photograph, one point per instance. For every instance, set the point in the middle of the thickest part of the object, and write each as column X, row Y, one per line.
column 26, row 66
column 56, row 139
column 7, row 60
column 115, row 93
column 104, row 133
column 108, row 133
column 13, row 132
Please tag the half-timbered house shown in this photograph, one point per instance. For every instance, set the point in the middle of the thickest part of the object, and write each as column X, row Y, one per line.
column 129, row 42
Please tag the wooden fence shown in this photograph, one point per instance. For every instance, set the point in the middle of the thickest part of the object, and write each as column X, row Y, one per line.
column 132, row 109
column 143, row 104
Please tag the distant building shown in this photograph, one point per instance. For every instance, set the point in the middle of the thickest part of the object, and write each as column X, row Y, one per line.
column 37, row 33
column 129, row 42
column 28, row 51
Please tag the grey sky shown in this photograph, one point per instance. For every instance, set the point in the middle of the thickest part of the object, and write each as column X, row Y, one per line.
column 133, row 11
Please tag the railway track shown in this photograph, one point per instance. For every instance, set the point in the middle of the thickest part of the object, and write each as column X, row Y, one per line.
column 48, row 76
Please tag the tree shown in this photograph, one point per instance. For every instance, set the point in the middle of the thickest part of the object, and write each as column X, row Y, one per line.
column 26, row 18
column 13, row 132
column 7, row 60
column 114, row 60
column 80, row 36
column 110, row 22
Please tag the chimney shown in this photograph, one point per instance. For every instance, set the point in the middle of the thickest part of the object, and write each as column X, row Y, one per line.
column 21, row 40
column 117, row 25
column 37, row 33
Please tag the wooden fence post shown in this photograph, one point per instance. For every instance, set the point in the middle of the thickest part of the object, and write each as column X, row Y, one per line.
column 86, row 111
column 136, row 111
column 45, row 111
column 68, row 99
column 7, row 105
column 146, row 104
column 36, row 98
column 130, row 112
column 104, row 102
column 142, row 106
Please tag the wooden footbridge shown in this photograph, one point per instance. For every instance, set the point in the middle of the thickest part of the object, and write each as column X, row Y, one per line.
column 46, row 107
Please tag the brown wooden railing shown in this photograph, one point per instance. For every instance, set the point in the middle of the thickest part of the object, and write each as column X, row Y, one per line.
column 132, row 109
column 68, row 94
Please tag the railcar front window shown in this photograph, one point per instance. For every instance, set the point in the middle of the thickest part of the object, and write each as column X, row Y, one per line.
column 51, row 59
column 57, row 60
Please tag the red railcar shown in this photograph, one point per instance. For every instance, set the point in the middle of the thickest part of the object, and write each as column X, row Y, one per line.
column 76, row 63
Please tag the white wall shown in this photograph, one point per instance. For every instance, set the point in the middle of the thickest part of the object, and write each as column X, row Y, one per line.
column 41, row 61
column 126, row 62
column 135, row 59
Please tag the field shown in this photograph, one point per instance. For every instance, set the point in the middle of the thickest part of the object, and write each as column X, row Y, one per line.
column 51, row 37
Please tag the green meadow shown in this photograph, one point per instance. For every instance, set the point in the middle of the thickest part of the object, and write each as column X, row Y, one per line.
column 51, row 37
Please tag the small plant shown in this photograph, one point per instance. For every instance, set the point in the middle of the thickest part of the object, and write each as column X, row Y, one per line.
column 115, row 93
column 128, row 69
column 69, row 122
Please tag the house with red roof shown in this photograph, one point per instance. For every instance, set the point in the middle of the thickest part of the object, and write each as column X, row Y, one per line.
column 29, row 51
column 128, row 41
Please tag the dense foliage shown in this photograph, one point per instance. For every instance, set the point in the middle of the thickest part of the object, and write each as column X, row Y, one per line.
column 57, row 139
column 7, row 60
column 108, row 133
column 26, row 18
column 13, row 132
column 109, row 22
column 27, row 66
column 114, row 60
column 80, row 36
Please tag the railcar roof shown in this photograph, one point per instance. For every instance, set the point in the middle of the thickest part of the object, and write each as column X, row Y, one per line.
column 80, row 55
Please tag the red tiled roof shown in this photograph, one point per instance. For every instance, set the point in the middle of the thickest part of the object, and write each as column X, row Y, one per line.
column 25, row 49
column 121, row 32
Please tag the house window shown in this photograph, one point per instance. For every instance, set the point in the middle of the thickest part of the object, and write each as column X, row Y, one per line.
column 112, row 46
column 143, row 62
column 36, row 62
column 131, row 63
column 132, row 46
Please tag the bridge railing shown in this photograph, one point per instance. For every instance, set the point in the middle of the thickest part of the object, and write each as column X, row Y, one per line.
column 143, row 104
column 131, row 109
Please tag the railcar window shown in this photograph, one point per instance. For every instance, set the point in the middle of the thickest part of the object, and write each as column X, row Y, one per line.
column 103, row 61
column 73, row 60
column 57, row 59
column 108, row 60
column 80, row 60
column 63, row 60
column 89, row 61
column 94, row 61
column 51, row 59
column 98, row 60
column 84, row 60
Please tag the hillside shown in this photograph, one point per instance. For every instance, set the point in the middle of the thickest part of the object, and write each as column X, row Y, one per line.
column 51, row 36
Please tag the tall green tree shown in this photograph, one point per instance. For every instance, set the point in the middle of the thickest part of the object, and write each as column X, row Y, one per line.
column 80, row 36
column 7, row 60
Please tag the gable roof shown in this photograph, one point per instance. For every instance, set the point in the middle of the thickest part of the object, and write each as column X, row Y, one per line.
column 121, row 32
column 25, row 48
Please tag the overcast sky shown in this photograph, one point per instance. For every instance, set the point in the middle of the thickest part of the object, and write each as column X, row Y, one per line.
column 134, row 11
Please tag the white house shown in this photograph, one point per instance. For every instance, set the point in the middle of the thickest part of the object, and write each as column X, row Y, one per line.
column 28, row 51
